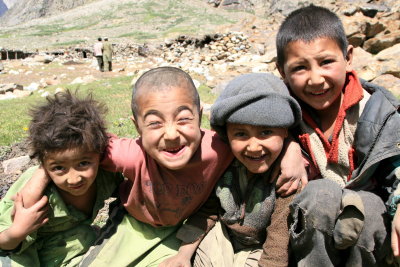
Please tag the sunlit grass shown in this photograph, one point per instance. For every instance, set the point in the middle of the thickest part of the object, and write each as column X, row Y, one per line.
column 114, row 92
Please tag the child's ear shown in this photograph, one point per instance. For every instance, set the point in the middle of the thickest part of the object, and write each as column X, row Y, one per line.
column 136, row 125
column 281, row 72
column 200, row 114
column 349, row 58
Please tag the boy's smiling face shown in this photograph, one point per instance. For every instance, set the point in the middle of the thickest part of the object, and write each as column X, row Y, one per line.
column 256, row 147
column 73, row 170
column 316, row 71
column 169, row 124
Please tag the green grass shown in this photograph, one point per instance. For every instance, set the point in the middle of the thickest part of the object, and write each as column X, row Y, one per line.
column 69, row 43
column 51, row 29
column 114, row 92
column 138, row 35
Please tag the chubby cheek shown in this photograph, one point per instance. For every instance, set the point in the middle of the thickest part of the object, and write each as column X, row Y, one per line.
column 237, row 147
column 149, row 139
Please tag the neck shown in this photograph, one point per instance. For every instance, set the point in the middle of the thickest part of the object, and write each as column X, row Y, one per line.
column 328, row 116
column 82, row 203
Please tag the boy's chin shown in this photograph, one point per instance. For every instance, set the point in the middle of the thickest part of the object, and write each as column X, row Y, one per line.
column 177, row 165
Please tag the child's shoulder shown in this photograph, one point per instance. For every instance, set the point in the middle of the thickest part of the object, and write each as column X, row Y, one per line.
column 380, row 93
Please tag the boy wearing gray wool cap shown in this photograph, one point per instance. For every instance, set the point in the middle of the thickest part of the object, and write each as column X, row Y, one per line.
column 253, row 114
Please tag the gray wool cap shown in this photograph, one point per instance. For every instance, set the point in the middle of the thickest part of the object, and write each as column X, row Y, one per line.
column 259, row 99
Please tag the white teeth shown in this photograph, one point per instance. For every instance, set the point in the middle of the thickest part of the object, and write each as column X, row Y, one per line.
column 174, row 149
column 251, row 157
column 319, row 93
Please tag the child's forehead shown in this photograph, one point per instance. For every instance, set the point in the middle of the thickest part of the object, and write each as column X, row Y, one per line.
column 316, row 46
column 68, row 154
column 147, row 89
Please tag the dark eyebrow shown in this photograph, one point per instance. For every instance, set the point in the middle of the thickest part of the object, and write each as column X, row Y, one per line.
column 152, row 112
column 181, row 108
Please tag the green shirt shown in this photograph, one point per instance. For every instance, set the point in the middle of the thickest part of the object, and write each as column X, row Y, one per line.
column 67, row 235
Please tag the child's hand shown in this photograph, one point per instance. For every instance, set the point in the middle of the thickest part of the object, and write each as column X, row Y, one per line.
column 290, row 171
column 176, row 261
column 396, row 233
column 182, row 259
column 27, row 220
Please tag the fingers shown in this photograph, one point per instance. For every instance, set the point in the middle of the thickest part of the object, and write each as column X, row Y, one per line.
column 41, row 204
column 395, row 242
column 290, row 187
column 304, row 182
column 18, row 202
column 282, row 189
column 293, row 188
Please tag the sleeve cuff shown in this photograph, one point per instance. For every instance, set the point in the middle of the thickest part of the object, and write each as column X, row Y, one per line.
column 393, row 204
column 189, row 233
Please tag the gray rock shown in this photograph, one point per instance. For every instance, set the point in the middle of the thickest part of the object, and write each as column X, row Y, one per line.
column 15, row 164
column 381, row 42
column 390, row 82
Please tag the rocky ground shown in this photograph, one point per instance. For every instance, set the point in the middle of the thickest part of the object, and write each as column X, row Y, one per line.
column 15, row 151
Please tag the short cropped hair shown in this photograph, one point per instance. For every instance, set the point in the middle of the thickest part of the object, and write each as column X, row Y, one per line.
column 307, row 24
column 160, row 79
column 66, row 121
column 99, row 39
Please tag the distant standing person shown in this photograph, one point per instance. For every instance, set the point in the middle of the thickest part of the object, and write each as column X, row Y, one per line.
column 107, row 55
column 98, row 53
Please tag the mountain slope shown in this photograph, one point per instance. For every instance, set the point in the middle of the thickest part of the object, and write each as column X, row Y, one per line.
column 3, row 8
column 120, row 20
column 25, row 10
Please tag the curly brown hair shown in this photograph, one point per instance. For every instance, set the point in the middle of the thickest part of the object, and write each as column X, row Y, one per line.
column 67, row 121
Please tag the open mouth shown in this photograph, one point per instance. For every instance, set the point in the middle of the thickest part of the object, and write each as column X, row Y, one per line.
column 319, row 93
column 174, row 150
column 74, row 187
column 257, row 158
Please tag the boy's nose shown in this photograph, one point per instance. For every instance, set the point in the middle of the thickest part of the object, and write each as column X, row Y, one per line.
column 171, row 133
column 74, row 178
column 316, row 77
column 253, row 145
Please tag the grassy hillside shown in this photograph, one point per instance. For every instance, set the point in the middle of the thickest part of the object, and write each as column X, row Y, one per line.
column 121, row 21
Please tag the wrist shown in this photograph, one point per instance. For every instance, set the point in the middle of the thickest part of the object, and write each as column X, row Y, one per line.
column 15, row 233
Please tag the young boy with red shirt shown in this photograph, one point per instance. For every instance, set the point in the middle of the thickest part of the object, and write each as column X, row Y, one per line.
column 350, row 132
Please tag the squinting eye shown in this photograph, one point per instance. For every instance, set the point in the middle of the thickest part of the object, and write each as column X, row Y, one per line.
column 184, row 120
column 153, row 124
column 298, row 68
column 266, row 132
column 57, row 168
column 239, row 134
column 327, row 61
column 84, row 163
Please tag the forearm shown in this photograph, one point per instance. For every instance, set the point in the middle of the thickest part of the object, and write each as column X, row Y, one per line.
column 11, row 238
column 34, row 189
